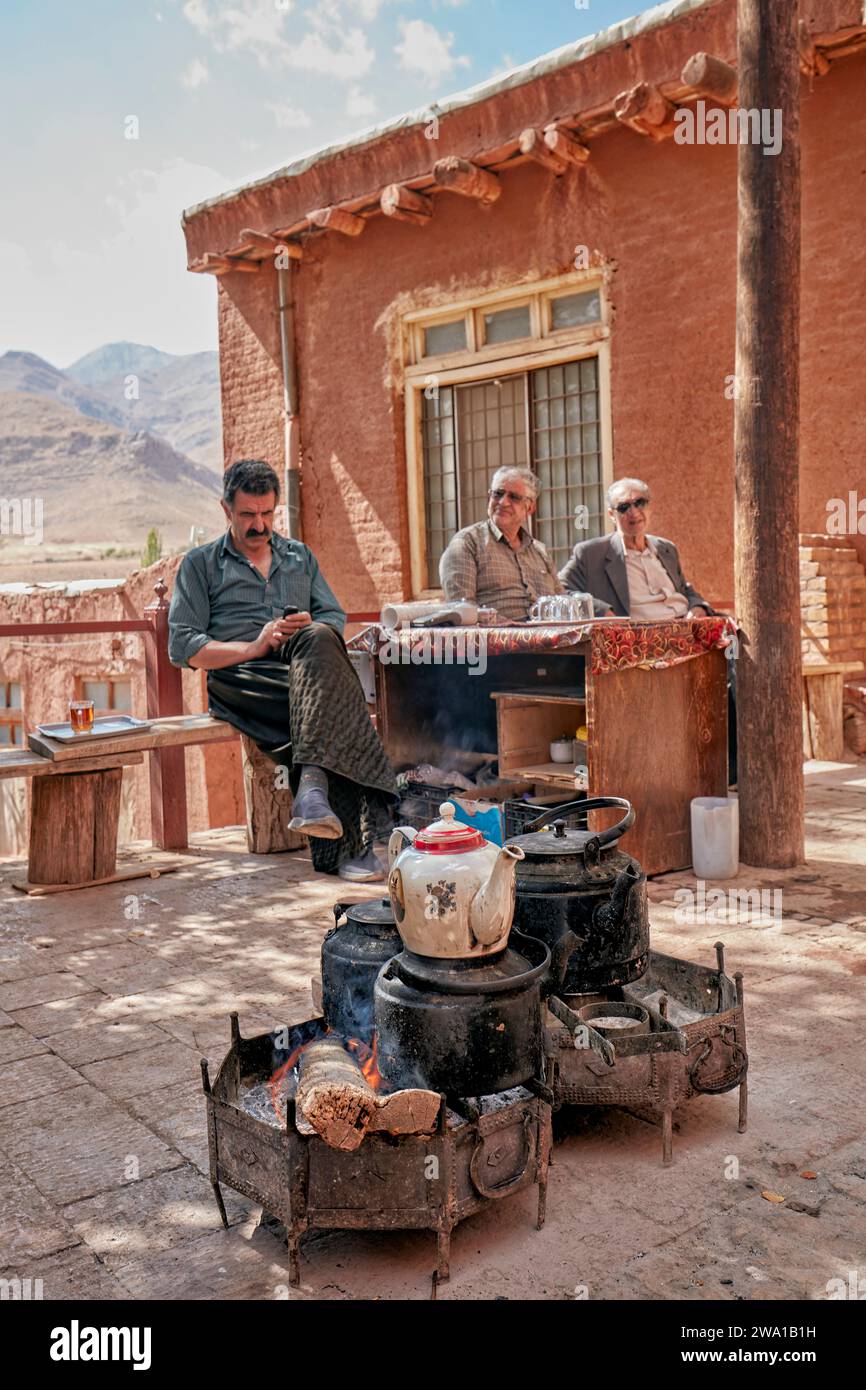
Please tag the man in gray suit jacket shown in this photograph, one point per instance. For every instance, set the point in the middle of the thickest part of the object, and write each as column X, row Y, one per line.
column 638, row 574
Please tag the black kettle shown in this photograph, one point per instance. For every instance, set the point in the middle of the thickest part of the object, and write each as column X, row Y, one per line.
column 576, row 880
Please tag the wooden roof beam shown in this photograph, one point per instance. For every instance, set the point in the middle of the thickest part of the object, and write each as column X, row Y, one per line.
column 337, row 220
column 266, row 241
column 710, row 77
column 532, row 147
column 405, row 205
column 460, row 176
column 644, row 109
column 223, row 265
column 812, row 63
column 562, row 142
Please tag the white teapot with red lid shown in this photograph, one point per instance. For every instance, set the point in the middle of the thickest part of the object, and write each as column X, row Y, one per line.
column 452, row 891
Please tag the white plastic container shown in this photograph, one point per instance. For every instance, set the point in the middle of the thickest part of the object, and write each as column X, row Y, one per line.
column 715, row 836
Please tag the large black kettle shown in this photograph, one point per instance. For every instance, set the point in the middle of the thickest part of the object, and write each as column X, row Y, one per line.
column 576, row 880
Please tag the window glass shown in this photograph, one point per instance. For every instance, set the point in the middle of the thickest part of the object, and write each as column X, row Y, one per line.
column 503, row 325
column 97, row 691
column 14, row 695
column 445, row 337
column 566, row 455
column 122, row 692
column 574, row 310
column 5, row 733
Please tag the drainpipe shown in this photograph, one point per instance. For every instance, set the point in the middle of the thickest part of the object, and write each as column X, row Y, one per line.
column 291, row 470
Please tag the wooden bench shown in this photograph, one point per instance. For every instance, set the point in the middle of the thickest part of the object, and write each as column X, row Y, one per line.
column 823, row 723
column 75, row 805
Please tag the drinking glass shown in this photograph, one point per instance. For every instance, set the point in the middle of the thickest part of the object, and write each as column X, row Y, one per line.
column 81, row 716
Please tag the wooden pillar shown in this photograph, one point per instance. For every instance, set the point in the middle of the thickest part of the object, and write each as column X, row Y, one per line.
column 168, row 765
column 766, row 444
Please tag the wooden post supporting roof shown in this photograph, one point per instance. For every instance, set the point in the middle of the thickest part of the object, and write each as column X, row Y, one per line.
column 405, row 205
column 533, row 147
column 646, row 110
column 710, row 77
column 766, row 444
column 460, row 176
column 337, row 220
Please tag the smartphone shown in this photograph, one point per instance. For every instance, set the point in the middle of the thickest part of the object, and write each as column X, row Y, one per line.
column 289, row 609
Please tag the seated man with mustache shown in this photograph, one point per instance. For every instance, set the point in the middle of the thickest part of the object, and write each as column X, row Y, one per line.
column 254, row 610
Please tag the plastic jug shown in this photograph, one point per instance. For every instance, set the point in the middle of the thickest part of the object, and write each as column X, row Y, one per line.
column 715, row 836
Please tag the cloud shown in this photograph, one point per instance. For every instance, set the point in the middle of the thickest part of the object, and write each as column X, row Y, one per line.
column 245, row 25
column 329, row 47
column 194, row 74
column 289, row 117
column 124, row 278
column 359, row 103
column 349, row 55
column 425, row 50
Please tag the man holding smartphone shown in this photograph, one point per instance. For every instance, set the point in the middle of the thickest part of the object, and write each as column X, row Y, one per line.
column 254, row 610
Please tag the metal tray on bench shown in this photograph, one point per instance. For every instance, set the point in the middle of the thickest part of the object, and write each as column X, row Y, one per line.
column 104, row 726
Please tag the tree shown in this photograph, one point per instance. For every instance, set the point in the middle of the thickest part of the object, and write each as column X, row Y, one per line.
column 152, row 548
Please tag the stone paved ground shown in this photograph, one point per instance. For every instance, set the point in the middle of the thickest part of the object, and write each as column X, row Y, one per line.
column 109, row 997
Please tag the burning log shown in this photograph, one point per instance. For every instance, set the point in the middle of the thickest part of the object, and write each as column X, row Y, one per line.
column 335, row 1099
column 333, row 1094
column 406, row 1112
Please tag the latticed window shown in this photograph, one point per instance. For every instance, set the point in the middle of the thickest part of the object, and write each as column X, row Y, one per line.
column 548, row 420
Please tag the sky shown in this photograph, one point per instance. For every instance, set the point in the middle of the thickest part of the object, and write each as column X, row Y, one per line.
column 215, row 92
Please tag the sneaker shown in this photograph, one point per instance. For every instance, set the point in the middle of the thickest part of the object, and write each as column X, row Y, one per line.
column 313, row 816
column 368, row 869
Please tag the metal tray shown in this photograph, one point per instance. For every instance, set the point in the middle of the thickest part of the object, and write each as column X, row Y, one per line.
column 103, row 727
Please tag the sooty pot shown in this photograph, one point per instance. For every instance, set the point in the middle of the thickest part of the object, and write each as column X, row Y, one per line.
column 353, row 953
column 576, row 880
column 465, row 1027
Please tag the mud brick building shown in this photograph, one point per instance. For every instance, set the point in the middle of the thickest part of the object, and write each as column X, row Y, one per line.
column 538, row 270
column 535, row 271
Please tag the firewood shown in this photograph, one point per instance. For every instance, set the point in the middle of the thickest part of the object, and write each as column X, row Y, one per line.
column 406, row 1112
column 333, row 1094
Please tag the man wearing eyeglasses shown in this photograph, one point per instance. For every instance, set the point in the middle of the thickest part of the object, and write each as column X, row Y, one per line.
column 638, row 574
column 497, row 563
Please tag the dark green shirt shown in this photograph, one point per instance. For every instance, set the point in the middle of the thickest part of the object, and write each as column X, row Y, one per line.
column 220, row 596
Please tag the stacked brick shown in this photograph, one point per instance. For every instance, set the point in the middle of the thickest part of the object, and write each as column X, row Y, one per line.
column 832, row 601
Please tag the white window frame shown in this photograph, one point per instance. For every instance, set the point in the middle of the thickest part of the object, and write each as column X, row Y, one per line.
column 548, row 348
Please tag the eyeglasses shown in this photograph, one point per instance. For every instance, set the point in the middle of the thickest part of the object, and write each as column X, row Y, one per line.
column 497, row 493
column 639, row 502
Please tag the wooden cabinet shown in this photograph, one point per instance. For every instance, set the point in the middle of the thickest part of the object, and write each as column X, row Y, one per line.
column 655, row 736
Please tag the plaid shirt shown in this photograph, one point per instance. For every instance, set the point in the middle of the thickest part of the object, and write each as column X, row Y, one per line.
column 480, row 565
column 220, row 596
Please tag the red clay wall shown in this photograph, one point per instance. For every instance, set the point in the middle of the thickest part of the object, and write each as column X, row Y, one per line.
column 663, row 215
column 47, row 668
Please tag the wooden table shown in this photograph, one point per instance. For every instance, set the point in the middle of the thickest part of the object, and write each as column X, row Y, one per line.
column 655, row 736
column 75, row 802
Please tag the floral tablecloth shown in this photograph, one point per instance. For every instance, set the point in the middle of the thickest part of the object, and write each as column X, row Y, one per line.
column 615, row 643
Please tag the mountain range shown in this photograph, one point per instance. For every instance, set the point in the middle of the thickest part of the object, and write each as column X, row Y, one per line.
column 125, row 439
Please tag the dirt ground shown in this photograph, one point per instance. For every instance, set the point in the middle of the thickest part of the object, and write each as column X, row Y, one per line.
column 108, row 998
